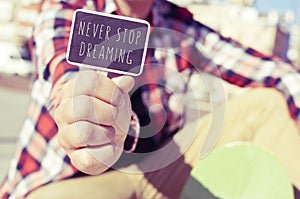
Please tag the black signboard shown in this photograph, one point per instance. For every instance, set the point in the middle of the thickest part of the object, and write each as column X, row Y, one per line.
column 108, row 42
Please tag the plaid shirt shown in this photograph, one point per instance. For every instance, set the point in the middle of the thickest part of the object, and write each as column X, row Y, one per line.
column 39, row 159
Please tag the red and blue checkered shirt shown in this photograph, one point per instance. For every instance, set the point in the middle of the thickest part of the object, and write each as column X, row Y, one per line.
column 176, row 52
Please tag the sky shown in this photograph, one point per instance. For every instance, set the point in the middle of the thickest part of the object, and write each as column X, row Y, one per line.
column 278, row 5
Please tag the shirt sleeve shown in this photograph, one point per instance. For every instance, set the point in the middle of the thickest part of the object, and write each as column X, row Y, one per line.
column 245, row 66
column 50, row 41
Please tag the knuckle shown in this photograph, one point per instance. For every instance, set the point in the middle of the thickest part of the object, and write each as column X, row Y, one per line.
column 89, row 74
column 85, row 131
column 57, row 116
column 84, row 83
column 61, row 139
column 61, row 142
column 112, row 116
column 96, row 136
column 61, row 111
column 105, row 114
column 82, row 107
column 86, row 162
column 90, row 77
column 117, row 97
column 65, row 88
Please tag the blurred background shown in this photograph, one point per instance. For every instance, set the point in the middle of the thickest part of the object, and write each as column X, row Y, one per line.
column 271, row 27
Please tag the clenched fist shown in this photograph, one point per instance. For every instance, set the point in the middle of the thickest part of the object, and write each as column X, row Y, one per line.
column 93, row 118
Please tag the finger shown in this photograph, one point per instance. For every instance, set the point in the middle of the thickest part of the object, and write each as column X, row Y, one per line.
column 83, row 134
column 94, row 160
column 91, row 83
column 124, row 113
column 85, row 108
column 125, row 83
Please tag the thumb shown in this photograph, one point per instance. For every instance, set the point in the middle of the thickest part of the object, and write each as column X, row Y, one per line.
column 125, row 83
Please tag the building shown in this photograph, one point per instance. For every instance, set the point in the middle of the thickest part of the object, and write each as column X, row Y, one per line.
column 245, row 25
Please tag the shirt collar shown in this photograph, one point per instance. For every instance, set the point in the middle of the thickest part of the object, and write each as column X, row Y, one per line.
column 110, row 6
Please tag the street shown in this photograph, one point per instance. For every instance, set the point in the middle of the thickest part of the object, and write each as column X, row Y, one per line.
column 13, row 105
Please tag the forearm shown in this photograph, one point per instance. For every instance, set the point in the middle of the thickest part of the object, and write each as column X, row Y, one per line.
column 244, row 67
column 252, row 71
column 50, row 40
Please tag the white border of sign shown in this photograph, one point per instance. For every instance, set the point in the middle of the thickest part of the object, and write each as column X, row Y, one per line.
column 112, row 16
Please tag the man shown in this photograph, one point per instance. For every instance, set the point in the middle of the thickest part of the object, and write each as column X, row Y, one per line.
column 94, row 119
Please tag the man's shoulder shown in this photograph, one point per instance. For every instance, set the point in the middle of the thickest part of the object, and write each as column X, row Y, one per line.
column 173, row 11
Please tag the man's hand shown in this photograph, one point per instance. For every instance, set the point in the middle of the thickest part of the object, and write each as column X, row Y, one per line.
column 93, row 119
